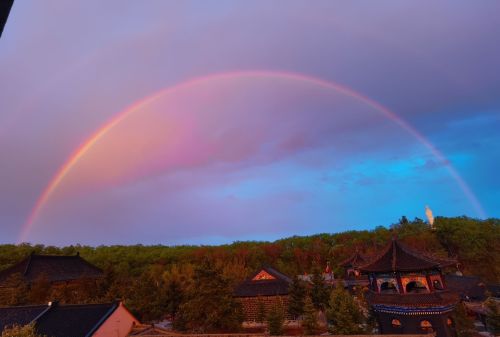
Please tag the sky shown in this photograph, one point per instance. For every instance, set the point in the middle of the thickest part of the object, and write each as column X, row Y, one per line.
column 208, row 122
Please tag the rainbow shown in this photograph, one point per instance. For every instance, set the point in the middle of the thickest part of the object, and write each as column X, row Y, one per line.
column 107, row 127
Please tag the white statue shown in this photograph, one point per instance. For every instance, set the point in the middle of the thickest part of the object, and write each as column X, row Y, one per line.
column 430, row 217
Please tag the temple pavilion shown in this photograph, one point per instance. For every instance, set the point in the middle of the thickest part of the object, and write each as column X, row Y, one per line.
column 408, row 293
column 351, row 265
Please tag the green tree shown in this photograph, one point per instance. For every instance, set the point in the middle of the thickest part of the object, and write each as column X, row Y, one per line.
column 464, row 326
column 210, row 306
column 319, row 291
column 174, row 297
column 275, row 320
column 297, row 294
column 344, row 314
column 145, row 298
column 474, row 242
column 310, row 321
column 493, row 316
column 21, row 331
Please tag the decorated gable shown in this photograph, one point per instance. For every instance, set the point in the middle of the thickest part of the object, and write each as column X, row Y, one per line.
column 263, row 275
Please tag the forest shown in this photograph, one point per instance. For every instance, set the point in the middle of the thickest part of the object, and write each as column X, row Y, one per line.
column 158, row 282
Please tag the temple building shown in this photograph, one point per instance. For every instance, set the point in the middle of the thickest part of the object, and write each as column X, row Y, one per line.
column 81, row 320
column 55, row 269
column 351, row 265
column 408, row 293
column 263, row 290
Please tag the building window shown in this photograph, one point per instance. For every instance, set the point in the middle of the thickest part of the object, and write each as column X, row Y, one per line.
column 416, row 287
column 426, row 326
column 388, row 287
column 396, row 323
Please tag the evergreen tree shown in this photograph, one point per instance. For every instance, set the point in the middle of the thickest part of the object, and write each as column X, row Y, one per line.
column 21, row 331
column 319, row 291
column 344, row 314
column 297, row 294
column 146, row 297
column 275, row 320
column 370, row 320
column 464, row 326
column 210, row 306
column 174, row 296
column 310, row 322
column 493, row 316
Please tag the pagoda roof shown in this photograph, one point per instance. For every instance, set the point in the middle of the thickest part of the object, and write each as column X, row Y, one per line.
column 265, row 282
column 396, row 256
column 355, row 260
column 53, row 267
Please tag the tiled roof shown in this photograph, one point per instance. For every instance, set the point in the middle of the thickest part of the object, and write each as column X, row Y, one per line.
column 5, row 7
column 398, row 257
column 57, row 320
column 471, row 287
column 252, row 288
column 74, row 320
column 20, row 315
column 355, row 260
column 442, row 298
column 54, row 267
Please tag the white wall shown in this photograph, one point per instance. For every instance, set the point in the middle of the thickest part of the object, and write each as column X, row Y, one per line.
column 118, row 324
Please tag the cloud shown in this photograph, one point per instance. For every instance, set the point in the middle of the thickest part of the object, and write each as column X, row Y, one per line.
column 66, row 68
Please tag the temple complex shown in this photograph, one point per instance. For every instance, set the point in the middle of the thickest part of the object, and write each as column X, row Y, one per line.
column 408, row 292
